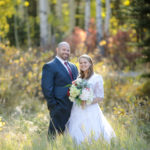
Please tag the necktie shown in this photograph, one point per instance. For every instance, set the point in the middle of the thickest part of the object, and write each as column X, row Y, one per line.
column 69, row 70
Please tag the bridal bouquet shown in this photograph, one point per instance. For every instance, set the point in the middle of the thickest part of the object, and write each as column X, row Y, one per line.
column 80, row 91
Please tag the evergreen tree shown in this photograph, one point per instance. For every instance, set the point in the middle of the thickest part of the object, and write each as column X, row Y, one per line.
column 140, row 11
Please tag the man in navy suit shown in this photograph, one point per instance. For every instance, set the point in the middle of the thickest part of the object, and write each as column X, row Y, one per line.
column 56, row 75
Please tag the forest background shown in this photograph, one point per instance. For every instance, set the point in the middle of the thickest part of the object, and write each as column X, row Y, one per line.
column 115, row 33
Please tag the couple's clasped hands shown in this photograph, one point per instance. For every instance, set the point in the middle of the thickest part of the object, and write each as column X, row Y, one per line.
column 96, row 100
column 83, row 104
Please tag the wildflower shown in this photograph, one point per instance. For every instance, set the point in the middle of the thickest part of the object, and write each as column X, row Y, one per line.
column 2, row 124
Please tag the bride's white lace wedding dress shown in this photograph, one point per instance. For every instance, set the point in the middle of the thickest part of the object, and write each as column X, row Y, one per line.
column 90, row 121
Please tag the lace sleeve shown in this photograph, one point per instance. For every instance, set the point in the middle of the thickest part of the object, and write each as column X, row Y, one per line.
column 98, row 88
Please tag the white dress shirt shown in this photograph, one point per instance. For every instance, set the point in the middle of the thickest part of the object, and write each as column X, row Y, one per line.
column 63, row 61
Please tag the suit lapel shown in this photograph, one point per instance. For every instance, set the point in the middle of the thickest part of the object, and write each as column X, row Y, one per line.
column 63, row 68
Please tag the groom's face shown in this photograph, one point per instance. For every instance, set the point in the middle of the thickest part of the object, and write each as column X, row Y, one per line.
column 63, row 52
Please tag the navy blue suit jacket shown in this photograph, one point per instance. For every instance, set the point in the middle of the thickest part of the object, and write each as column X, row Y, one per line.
column 54, row 79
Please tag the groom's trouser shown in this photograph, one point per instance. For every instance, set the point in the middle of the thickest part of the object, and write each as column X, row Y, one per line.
column 53, row 129
column 59, row 117
column 57, row 125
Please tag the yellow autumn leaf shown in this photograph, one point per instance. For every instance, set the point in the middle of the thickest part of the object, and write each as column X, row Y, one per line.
column 40, row 115
column 2, row 3
column 126, row 3
column 26, row 3
column 30, row 75
column 16, row 75
column 1, row 124
column 35, row 66
column 135, row 104
column 145, row 30
column 16, row 61
column 54, row 1
column 103, row 14
column 111, row 6
column 103, row 42
column 18, row 1
column 125, row 26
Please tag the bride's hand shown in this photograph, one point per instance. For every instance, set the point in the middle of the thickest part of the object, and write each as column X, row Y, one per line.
column 83, row 103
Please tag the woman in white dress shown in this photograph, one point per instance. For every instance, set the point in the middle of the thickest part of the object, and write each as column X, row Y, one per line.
column 87, row 121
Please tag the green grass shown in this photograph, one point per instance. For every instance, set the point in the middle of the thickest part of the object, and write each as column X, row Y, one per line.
column 28, row 131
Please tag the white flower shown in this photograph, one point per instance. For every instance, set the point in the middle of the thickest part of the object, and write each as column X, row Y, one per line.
column 71, row 99
column 87, row 95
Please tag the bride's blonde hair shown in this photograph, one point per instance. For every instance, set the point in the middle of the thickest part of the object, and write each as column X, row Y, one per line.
column 90, row 70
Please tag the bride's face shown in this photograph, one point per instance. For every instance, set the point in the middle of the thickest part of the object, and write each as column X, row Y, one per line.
column 84, row 64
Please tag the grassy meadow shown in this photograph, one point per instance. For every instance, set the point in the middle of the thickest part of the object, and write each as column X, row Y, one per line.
column 24, row 117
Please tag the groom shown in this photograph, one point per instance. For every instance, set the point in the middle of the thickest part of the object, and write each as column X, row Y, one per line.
column 56, row 75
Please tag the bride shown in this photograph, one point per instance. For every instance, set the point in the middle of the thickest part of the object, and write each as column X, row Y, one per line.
column 87, row 121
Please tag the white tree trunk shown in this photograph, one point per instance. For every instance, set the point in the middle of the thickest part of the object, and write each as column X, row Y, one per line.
column 28, row 28
column 99, row 26
column 21, row 10
column 44, row 27
column 59, row 9
column 72, row 14
column 49, row 25
column 107, row 18
column 87, row 14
